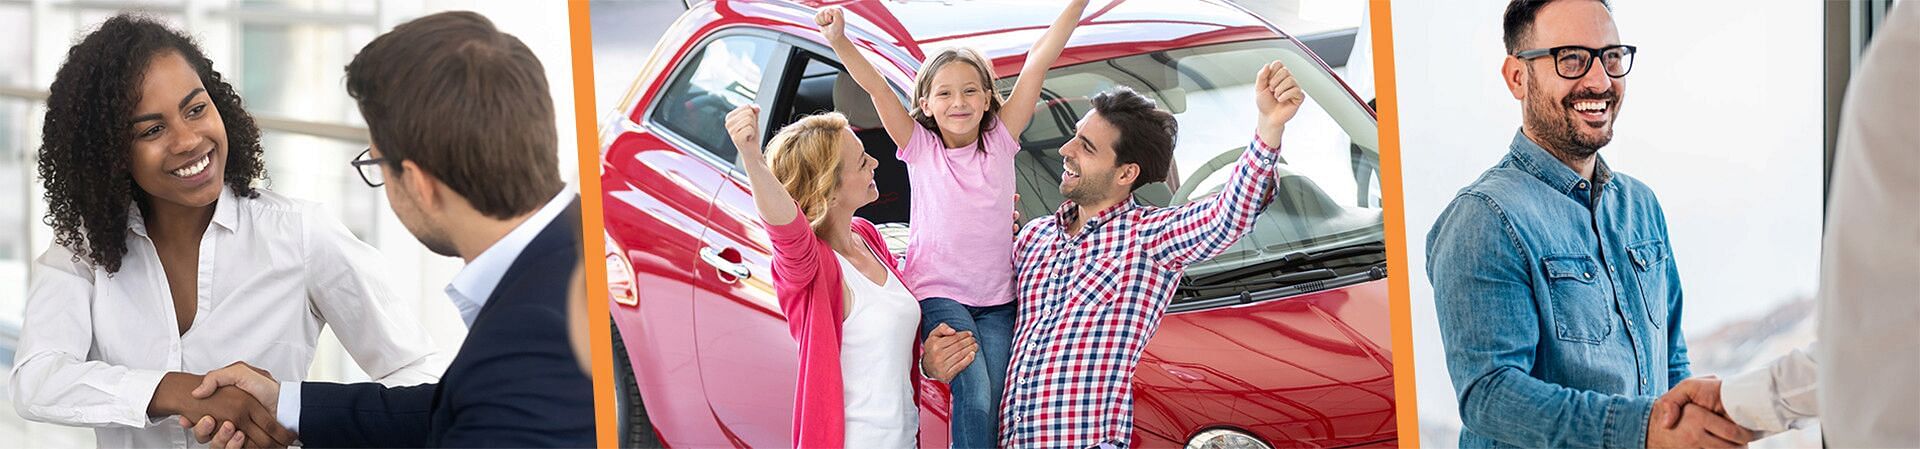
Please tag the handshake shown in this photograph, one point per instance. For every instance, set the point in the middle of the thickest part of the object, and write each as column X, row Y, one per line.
column 230, row 407
column 1691, row 415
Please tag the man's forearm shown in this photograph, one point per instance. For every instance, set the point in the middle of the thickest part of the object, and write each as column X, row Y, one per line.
column 1517, row 409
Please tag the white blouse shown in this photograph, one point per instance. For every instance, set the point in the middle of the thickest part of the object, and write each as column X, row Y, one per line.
column 273, row 272
column 876, row 352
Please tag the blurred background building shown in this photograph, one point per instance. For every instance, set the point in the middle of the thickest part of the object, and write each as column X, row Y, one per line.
column 286, row 58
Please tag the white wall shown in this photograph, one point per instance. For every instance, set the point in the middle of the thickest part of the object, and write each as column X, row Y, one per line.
column 1722, row 119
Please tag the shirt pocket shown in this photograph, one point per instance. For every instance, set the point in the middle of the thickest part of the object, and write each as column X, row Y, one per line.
column 1580, row 303
column 1650, row 271
column 1099, row 283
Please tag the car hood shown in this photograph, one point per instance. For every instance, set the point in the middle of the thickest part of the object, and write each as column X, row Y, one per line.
column 1312, row 370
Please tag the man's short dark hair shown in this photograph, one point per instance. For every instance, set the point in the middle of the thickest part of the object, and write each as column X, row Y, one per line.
column 1519, row 20
column 1146, row 133
column 467, row 104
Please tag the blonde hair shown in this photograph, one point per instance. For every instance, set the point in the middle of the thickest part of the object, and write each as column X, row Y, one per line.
column 923, row 86
column 805, row 156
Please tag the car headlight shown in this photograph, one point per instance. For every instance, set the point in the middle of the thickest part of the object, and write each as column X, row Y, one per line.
column 621, row 283
column 1225, row 439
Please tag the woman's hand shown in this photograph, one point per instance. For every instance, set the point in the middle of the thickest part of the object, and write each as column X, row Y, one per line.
column 833, row 24
column 227, row 405
column 776, row 206
column 946, row 352
column 743, row 125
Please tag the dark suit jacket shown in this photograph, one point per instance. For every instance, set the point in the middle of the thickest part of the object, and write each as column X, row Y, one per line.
column 514, row 382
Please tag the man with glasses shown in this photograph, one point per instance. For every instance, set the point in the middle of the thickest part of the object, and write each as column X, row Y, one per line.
column 465, row 147
column 1558, row 297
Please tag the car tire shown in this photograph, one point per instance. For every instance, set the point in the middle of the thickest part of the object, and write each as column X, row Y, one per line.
column 636, row 431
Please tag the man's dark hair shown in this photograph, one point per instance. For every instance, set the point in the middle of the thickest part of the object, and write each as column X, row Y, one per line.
column 1146, row 133
column 1519, row 20
column 85, row 142
column 468, row 104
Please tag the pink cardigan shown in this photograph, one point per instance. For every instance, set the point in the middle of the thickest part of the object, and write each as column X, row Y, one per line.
column 806, row 278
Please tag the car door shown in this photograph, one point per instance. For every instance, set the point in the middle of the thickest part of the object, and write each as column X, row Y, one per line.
column 722, row 71
column 748, row 359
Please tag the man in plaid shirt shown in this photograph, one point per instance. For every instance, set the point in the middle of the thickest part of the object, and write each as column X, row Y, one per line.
column 1095, row 277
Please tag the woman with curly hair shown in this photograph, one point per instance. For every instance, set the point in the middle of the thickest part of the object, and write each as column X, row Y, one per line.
column 168, row 260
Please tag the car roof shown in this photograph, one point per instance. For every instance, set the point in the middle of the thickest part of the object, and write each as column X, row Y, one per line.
column 1004, row 30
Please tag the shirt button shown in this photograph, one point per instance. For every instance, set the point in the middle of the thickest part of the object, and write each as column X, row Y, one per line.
column 1581, row 184
column 1588, row 275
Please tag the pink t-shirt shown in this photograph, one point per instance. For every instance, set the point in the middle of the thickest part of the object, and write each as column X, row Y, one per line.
column 962, row 241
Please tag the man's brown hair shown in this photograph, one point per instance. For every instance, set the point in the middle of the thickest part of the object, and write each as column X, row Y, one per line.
column 467, row 104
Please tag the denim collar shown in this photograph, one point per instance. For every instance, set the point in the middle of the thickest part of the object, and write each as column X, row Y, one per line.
column 1536, row 161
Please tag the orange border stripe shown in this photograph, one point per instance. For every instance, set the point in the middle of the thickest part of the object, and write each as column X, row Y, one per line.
column 1393, row 195
column 606, row 419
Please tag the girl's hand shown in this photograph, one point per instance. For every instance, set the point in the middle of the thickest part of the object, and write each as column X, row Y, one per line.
column 743, row 125
column 833, row 24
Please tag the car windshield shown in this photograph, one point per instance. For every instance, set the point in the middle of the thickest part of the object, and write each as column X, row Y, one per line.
column 1329, row 191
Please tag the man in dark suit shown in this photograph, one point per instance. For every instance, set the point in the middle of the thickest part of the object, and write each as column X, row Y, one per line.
column 464, row 142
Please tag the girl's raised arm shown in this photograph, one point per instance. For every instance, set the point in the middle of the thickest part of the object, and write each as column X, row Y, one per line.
column 1026, row 90
column 893, row 115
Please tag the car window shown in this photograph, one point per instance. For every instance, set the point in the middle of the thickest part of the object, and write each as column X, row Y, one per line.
column 723, row 75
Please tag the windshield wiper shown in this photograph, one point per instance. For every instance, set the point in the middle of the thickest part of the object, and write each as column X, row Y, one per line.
column 1291, row 263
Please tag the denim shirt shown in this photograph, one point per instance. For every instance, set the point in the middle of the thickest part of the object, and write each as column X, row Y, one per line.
column 1559, row 304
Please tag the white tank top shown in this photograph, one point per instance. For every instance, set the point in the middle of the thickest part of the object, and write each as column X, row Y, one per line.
column 876, row 354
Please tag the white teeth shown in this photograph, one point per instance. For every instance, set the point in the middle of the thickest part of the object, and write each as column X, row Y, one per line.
column 196, row 168
column 1589, row 106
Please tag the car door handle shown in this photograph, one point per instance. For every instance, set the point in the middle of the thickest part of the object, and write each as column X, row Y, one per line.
column 737, row 270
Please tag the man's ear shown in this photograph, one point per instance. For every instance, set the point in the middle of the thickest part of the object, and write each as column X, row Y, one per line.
column 1514, row 73
column 422, row 186
column 1125, row 175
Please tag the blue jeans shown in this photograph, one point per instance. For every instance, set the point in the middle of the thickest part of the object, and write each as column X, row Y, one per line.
column 978, row 387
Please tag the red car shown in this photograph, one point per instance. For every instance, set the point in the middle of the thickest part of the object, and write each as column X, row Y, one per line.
column 1282, row 341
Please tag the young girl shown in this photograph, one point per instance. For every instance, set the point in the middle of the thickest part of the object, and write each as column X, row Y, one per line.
column 958, row 143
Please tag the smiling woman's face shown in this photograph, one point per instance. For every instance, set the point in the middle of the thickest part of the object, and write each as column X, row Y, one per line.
column 179, row 148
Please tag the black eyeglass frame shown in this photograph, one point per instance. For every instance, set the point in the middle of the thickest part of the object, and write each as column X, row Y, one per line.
column 1593, row 54
column 361, row 162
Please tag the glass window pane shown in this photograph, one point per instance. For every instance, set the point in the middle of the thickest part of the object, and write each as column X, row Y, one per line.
column 724, row 75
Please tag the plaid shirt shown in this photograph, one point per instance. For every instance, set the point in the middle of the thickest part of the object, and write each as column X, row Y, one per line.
column 1090, row 302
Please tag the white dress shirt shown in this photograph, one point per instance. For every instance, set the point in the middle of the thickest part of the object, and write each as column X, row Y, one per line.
column 1780, row 396
column 468, row 290
column 272, row 273
column 475, row 282
column 1861, row 373
column 1869, row 345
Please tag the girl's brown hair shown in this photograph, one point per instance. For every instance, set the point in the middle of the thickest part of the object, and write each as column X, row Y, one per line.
column 923, row 86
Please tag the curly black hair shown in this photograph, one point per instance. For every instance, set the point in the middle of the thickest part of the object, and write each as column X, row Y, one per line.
column 85, row 144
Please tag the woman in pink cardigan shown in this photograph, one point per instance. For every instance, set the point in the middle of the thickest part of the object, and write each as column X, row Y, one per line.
column 840, row 289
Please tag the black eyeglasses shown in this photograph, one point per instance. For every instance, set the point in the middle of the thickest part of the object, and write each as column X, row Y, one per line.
column 369, row 168
column 1573, row 61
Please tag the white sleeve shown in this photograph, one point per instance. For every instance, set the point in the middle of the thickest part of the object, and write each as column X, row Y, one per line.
column 348, row 288
column 53, row 381
column 1782, row 395
column 287, row 407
